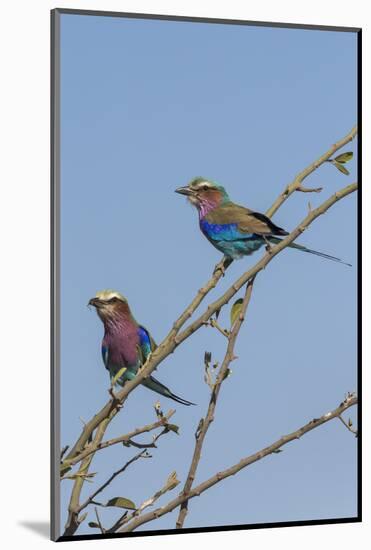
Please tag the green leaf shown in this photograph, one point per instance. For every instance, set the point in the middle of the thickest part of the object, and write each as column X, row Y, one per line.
column 121, row 502
column 344, row 157
column 118, row 375
column 93, row 525
column 173, row 428
column 235, row 310
column 341, row 168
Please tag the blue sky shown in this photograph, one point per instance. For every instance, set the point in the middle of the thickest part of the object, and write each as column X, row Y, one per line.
column 146, row 106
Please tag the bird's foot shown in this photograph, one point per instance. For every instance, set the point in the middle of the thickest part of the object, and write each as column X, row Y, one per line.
column 223, row 266
column 219, row 267
column 114, row 398
column 268, row 246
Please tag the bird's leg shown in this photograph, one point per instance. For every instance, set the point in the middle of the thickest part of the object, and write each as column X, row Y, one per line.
column 268, row 246
column 223, row 265
column 114, row 380
column 114, row 398
column 147, row 359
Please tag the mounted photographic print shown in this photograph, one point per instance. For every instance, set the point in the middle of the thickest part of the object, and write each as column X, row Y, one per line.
column 204, row 279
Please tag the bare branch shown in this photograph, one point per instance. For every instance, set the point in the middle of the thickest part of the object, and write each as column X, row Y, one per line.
column 309, row 189
column 350, row 400
column 102, row 530
column 209, row 418
column 348, row 426
column 91, row 498
column 98, row 446
column 214, row 323
column 296, row 184
column 73, row 520
column 170, row 484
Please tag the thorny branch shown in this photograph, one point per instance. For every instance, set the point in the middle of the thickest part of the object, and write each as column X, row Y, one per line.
column 102, row 530
column 350, row 400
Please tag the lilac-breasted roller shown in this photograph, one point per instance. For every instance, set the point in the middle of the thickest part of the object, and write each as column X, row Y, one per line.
column 126, row 344
column 233, row 229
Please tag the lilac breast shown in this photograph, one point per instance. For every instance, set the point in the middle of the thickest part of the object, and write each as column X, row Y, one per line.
column 122, row 345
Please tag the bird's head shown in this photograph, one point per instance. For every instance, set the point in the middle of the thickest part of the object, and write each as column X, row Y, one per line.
column 109, row 304
column 204, row 194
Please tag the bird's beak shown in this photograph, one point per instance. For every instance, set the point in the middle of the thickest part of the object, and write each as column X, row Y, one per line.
column 184, row 191
column 96, row 302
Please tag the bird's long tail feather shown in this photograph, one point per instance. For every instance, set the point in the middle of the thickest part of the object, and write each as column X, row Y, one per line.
column 275, row 240
column 153, row 384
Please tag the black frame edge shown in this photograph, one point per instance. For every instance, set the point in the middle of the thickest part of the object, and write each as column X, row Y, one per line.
column 221, row 21
column 54, row 274
column 190, row 530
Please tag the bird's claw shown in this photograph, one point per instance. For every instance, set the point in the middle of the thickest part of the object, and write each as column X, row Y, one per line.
column 222, row 266
column 219, row 267
column 268, row 246
column 114, row 398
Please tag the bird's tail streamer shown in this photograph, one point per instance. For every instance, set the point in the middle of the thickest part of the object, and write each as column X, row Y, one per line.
column 153, row 384
column 275, row 240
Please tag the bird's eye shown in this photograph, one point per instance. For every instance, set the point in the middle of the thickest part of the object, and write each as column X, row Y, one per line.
column 205, row 187
column 113, row 300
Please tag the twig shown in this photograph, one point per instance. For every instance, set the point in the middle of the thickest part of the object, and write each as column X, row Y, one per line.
column 296, row 184
column 91, row 498
column 170, row 484
column 102, row 530
column 209, row 418
column 151, row 445
column 214, row 323
column 118, row 523
column 98, row 446
column 348, row 426
column 309, row 189
column 247, row 461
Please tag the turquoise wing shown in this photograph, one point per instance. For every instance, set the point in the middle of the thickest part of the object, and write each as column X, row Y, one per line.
column 146, row 344
column 224, row 232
